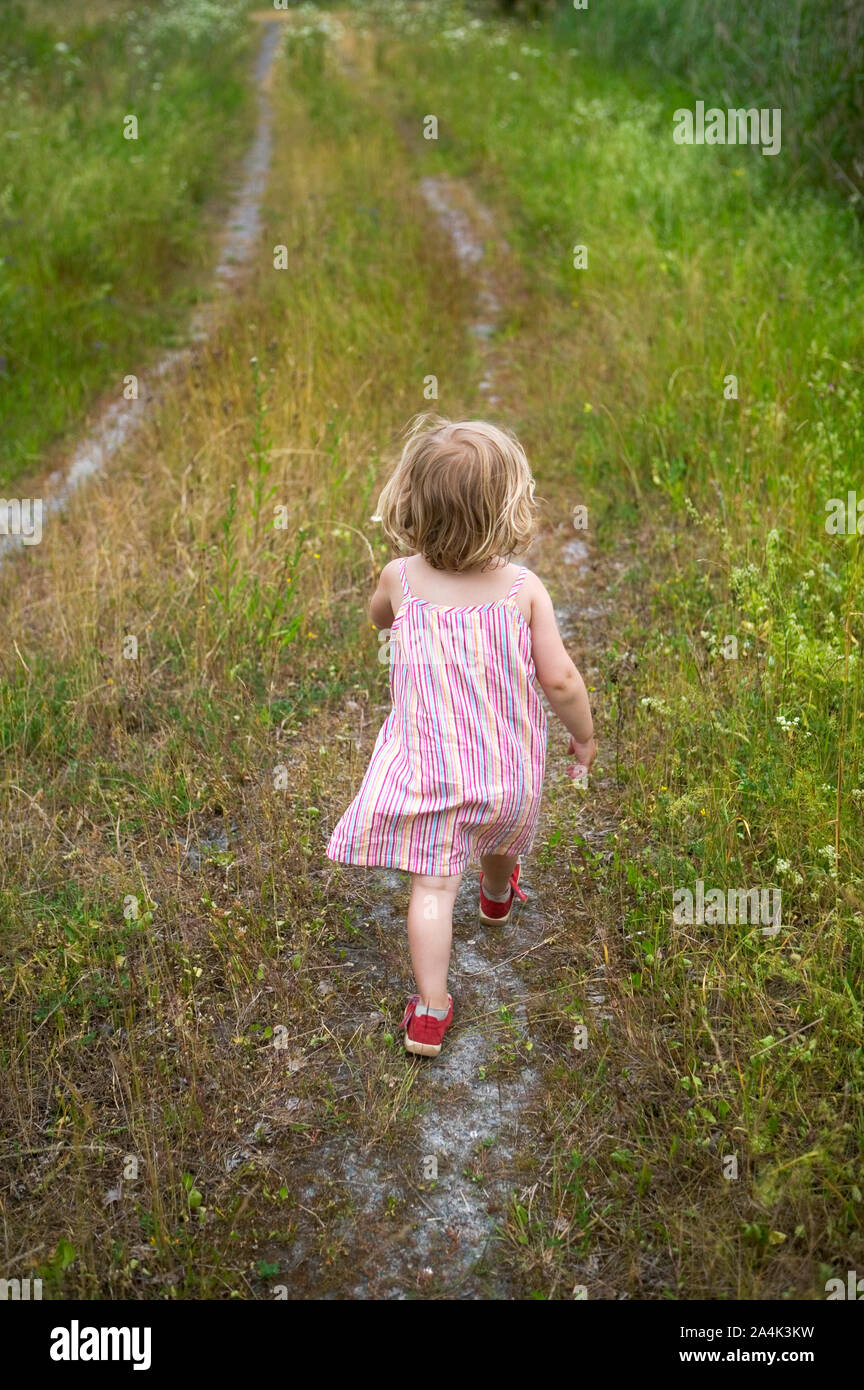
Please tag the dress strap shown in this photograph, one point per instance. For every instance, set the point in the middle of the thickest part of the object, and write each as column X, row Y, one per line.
column 405, row 589
column 517, row 582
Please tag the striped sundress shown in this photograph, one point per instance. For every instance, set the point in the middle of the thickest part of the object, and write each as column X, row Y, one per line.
column 457, row 769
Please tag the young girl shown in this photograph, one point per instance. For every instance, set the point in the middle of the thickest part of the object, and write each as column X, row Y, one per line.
column 457, row 769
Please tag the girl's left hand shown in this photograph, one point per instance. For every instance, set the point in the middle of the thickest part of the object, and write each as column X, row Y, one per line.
column 585, row 752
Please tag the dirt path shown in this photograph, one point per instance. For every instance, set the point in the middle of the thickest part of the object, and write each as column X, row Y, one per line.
column 424, row 1219
column 469, row 1132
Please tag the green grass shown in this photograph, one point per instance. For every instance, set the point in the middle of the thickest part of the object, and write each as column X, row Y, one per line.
column 148, row 1032
column 103, row 239
column 802, row 59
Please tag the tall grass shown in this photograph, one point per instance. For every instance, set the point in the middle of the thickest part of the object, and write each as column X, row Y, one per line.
column 802, row 56
column 102, row 237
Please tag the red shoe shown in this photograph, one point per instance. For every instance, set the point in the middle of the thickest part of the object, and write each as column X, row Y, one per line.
column 424, row 1034
column 498, row 914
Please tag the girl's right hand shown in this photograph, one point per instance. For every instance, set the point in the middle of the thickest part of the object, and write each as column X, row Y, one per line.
column 585, row 753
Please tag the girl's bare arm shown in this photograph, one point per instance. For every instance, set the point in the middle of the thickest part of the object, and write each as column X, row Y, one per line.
column 381, row 607
column 561, row 682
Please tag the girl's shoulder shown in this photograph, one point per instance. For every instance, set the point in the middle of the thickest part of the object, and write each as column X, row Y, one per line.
column 529, row 587
column 534, row 600
column 391, row 573
column 530, row 581
column 395, row 582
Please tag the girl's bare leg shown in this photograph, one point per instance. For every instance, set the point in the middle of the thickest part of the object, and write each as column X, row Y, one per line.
column 430, row 934
column 497, row 869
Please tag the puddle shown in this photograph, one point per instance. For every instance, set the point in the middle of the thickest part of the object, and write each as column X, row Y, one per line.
column 121, row 419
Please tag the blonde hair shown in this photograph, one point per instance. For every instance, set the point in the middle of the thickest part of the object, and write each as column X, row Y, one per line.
column 461, row 494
